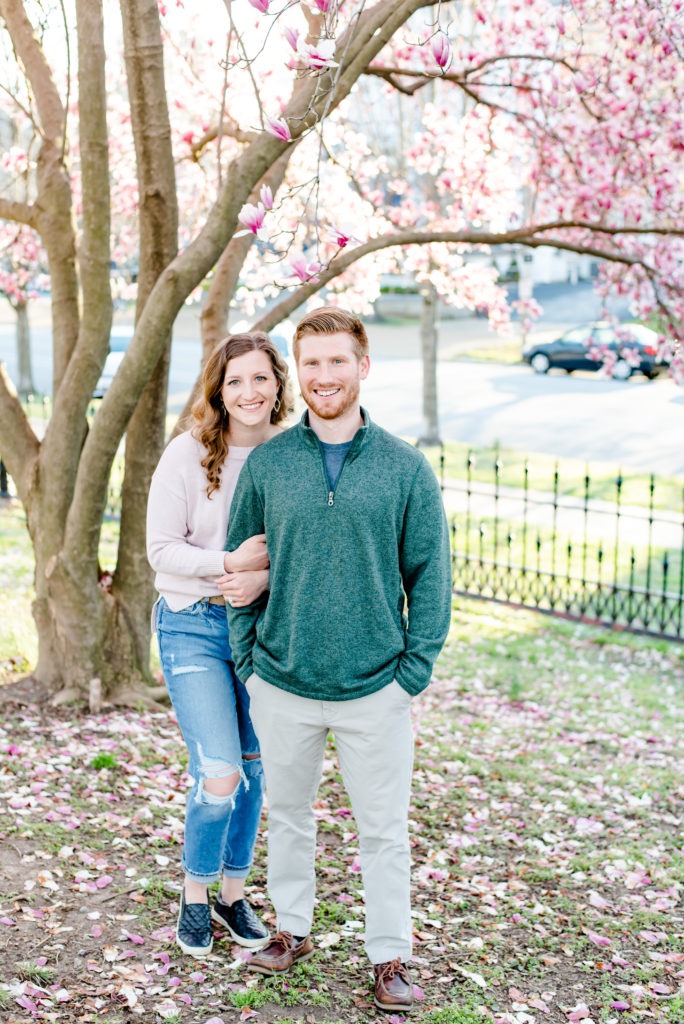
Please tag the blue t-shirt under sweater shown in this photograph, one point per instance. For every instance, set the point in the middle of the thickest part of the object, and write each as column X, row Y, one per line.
column 334, row 456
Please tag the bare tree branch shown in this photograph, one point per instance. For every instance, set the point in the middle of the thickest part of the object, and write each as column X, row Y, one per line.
column 459, row 77
column 30, row 53
column 228, row 127
column 71, row 401
column 21, row 447
column 530, row 236
column 20, row 213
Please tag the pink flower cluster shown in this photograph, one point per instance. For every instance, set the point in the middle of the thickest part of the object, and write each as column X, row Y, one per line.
column 253, row 216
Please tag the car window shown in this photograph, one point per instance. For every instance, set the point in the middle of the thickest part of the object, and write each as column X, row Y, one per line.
column 281, row 344
column 119, row 342
column 577, row 336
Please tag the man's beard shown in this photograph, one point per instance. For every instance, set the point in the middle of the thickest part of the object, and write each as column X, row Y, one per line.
column 326, row 409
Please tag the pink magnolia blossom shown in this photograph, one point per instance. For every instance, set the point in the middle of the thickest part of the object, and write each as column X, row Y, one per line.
column 279, row 127
column 261, row 5
column 304, row 271
column 319, row 6
column 620, row 961
column 580, row 1012
column 597, row 352
column 441, row 50
column 608, row 358
column 14, row 161
column 631, row 356
column 292, row 36
column 340, row 238
column 252, row 217
column 677, row 370
column 266, row 196
column 318, row 55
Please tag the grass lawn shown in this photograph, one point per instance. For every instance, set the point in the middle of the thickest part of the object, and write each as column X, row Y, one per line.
column 493, row 350
column 636, row 487
column 546, row 830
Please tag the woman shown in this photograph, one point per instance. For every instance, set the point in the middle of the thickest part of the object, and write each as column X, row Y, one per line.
column 245, row 398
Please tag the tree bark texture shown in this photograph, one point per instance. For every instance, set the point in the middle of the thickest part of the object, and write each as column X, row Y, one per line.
column 158, row 223
column 428, row 342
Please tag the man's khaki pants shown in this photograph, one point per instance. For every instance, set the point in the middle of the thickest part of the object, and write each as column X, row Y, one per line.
column 374, row 741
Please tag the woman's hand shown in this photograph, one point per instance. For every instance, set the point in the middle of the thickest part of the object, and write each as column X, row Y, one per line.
column 242, row 588
column 251, row 555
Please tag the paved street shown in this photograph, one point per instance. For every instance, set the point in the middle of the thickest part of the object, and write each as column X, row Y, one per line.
column 637, row 424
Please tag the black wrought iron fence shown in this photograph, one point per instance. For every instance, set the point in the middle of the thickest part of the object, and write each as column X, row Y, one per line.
column 583, row 552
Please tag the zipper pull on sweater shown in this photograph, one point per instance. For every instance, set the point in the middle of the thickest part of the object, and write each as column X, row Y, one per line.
column 331, row 498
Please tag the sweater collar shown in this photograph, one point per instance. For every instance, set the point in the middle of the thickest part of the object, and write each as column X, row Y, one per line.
column 358, row 441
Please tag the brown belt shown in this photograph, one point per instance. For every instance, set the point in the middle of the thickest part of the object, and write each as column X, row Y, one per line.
column 218, row 599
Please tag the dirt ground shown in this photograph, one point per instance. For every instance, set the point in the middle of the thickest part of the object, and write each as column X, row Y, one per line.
column 546, row 835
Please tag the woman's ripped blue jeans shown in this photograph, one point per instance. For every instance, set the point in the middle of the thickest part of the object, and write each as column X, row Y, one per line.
column 212, row 708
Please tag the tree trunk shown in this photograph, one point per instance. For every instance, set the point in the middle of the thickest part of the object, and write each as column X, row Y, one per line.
column 70, row 606
column 428, row 341
column 25, row 384
column 86, row 635
column 158, row 218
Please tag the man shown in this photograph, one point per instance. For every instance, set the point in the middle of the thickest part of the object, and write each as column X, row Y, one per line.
column 355, row 529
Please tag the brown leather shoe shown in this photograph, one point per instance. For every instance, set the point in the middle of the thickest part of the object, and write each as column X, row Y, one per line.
column 280, row 954
column 393, row 986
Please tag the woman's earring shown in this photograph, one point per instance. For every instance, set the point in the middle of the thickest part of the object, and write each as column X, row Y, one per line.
column 276, row 406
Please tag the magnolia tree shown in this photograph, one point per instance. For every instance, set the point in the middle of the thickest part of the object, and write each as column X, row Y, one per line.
column 255, row 151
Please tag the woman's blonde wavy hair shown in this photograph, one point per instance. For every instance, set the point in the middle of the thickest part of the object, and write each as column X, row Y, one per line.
column 209, row 412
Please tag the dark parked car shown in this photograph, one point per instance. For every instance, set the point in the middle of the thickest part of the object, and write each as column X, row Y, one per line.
column 633, row 347
column 119, row 341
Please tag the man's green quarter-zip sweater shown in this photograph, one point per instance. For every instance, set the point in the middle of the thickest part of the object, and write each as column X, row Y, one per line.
column 344, row 566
